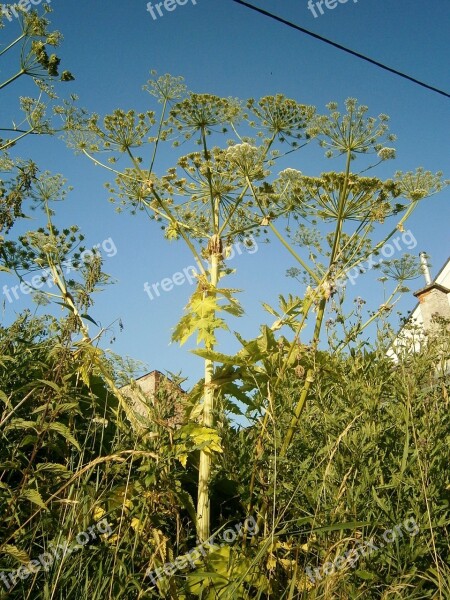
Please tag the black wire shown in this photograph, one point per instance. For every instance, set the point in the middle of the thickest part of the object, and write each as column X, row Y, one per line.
column 340, row 47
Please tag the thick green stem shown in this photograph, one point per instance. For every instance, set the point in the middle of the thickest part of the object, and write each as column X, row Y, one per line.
column 204, row 474
column 340, row 219
column 204, row 471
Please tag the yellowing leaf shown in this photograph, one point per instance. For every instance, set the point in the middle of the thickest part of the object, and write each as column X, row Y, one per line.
column 137, row 525
column 204, row 305
column 99, row 513
column 16, row 553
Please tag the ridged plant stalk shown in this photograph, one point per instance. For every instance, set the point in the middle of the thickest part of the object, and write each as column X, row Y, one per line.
column 205, row 464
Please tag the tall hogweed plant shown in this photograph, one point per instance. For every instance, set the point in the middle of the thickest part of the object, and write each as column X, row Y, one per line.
column 229, row 187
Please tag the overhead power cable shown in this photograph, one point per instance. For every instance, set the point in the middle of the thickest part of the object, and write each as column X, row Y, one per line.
column 340, row 47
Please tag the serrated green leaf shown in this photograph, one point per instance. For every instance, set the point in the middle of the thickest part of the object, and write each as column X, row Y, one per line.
column 64, row 431
column 51, row 384
column 183, row 330
column 28, row 440
column 51, row 468
column 219, row 357
column 35, row 497
column 204, row 306
column 22, row 424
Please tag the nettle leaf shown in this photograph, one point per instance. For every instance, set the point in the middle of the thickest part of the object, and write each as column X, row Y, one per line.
column 35, row 497
column 68, row 407
column 85, row 373
column 181, row 454
column 366, row 575
column 65, row 432
column 22, row 424
column 28, row 440
column 60, row 408
column 10, row 464
column 51, row 384
column 52, row 468
column 188, row 503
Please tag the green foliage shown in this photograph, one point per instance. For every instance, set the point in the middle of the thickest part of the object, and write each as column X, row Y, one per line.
column 338, row 448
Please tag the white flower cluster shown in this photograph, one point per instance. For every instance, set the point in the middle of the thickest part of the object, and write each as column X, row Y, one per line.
column 386, row 153
column 247, row 160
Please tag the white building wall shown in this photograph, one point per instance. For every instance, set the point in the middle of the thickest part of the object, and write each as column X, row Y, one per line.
column 412, row 338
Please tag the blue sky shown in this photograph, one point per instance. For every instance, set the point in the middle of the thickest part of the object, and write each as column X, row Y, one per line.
column 223, row 48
